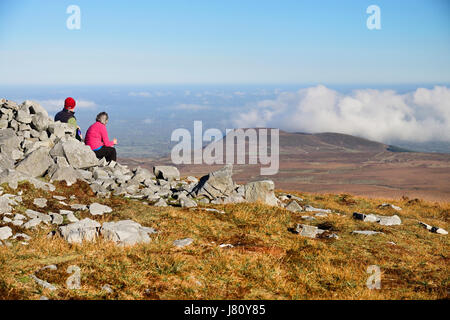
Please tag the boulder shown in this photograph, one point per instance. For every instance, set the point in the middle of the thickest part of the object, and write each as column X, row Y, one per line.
column 261, row 191
column 294, row 206
column 79, row 155
column 5, row 233
column 4, row 204
column 309, row 208
column 98, row 209
column 40, row 122
column 217, row 184
column 36, row 163
column 433, row 229
column 40, row 202
column 308, row 231
column 383, row 220
column 166, row 172
column 183, row 242
column 77, row 232
column 9, row 138
column 125, row 232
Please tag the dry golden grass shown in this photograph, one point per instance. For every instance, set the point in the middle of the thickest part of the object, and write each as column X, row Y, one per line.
column 267, row 261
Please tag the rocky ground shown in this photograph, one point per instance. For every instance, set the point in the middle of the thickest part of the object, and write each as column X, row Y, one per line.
column 75, row 227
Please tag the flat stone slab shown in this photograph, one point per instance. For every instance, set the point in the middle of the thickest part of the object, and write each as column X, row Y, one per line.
column 5, row 233
column 433, row 229
column 126, row 232
column 183, row 242
column 383, row 220
column 77, row 206
column 294, row 206
column 309, row 208
column 40, row 202
column 77, row 232
column 308, row 231
column 367, row 232
column 98, row 209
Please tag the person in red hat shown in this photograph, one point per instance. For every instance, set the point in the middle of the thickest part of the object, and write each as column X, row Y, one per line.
column 67, row 115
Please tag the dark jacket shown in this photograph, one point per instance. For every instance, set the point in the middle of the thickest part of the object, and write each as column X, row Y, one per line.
column 64, row 116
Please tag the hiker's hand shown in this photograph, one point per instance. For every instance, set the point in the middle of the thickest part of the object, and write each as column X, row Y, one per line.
column 115, row 141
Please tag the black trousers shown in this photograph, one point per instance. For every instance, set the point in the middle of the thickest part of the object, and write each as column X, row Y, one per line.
column 106, row 152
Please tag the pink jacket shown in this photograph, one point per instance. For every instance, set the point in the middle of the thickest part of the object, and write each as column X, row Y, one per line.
column 97, row 136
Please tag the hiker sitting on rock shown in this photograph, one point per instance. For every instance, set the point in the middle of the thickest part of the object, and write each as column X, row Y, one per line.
column 97, row 138
column 67, row 115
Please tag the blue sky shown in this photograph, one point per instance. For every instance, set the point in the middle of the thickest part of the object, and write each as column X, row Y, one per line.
column 246, row 41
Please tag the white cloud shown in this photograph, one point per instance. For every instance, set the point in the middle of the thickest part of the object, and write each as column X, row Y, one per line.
column 381, row 115
column 58, row 104
column 140, row 94
column 147, row 121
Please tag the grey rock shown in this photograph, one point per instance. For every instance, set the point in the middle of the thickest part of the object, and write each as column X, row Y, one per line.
column 185, row 202
column 125, row 232
column 77, row 232
column 5, row 233
column 308, row 231
column 4, row 204
column 321, row 215
column 17, row 223
column 261, row 191
column 71, row 217
column 32, row 214
column 142, row 174
column 294, row 206
column 166, row 172
column 22, row 235
column 43, row 283
column 9, row 139
column 182, row 242
column 77, row 206
column 309, row 208
column 40, row 202
column 433, row 229
column 64, row 212
column 388, row 205
column 60, row 198
column 32, row 223
column 79, row 155
column 217, row 184
column 107, row 288
column 23, row 116
column 367, row 232
column 383, row 220
column 99, row 209
column 390, row 221
column 161, row 203
column 35, row 108
column 36, row 163
column 63, row 173
column 57, row 218
column 40, row 122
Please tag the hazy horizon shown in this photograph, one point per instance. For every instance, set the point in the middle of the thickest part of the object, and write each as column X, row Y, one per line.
column 143, row 117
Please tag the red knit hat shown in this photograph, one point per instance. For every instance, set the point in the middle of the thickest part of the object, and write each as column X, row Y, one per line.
column 69, row 103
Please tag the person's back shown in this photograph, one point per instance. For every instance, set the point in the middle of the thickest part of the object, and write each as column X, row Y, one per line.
column 67, row 115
